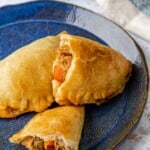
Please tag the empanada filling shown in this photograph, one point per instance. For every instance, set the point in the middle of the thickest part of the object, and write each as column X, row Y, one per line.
column 62, row 63
column 36, row 143
column 33, row 143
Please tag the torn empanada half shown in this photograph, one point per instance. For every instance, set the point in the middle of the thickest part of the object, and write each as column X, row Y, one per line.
column 25, row 78
column 59, row 128
column 86, row 71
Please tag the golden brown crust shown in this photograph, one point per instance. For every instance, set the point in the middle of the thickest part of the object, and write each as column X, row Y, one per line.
column 62, row 123
column 97, row 72
column 25, row 78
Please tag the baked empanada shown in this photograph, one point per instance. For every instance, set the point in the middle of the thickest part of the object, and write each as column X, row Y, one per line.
column 86, row 71
column 83, row 71
column 54, row 129
column 25, row 78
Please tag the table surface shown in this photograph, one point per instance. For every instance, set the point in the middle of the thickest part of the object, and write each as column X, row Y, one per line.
column 140, row 138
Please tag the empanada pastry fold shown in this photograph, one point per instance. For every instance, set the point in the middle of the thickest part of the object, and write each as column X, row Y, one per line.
column 25, row 78
column 94, row 72
column 57, row 128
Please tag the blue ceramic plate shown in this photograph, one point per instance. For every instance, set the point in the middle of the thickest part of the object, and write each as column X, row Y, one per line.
column 105, row 126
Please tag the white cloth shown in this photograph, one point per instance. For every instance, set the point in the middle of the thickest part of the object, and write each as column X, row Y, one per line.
column 124, row 13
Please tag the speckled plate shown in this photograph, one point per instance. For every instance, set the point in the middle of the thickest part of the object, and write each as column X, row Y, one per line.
column 105, row 126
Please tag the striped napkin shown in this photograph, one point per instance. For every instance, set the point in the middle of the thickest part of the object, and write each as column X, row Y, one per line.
column 132, row 15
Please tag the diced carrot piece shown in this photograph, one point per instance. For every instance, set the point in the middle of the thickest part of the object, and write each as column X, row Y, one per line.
column 59, row 74
column 50, row 147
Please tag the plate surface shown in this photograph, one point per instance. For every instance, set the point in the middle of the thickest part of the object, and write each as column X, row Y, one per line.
column 105, row 126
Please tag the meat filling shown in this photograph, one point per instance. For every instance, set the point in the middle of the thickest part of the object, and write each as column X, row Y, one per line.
column 33, row 143
column 36, row 143
column 62, row 63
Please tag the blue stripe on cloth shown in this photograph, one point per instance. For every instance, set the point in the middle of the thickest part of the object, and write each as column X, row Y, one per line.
column 142, row 5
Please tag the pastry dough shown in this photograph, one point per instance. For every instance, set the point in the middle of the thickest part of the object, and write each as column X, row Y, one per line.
column 25, row 78
column 81, row 70
column 86, row 71
column 54, row 129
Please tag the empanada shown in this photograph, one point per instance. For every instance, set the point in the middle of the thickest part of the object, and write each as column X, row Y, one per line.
column 83, row 71
column 25, row 78
column 54, row 129
column 86, row 71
